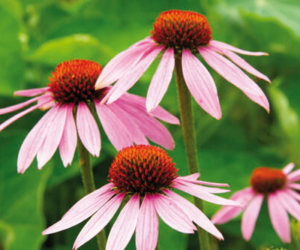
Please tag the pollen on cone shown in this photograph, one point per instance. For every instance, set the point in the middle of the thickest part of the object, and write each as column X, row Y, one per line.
column 142, row 168
column 184, row 29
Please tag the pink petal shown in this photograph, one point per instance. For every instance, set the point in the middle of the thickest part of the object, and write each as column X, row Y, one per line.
column 87, row 129
column 159, row 112
column 68, row 142
column 237, row 50
column 205, row 189
column 146, row 233
column 31, row 92
column 294, row 176
column 122, row 63
column 172, row 214
column 200, row 84
column 18, row 106
column 161, row 80
column 279, row 218
column 53, row 137
column 288, row 168
column 83, row 209
column 196, row 215
column 186, row 180
column 116, row 132
column 150, row 127
column 293, row 194
column 250, row 216
column 241, row 63
column 234, row 75
column 289, row 203
column 227, row 213
column 125, row 225
column 194, row 176
column 126, row 82
column 198, row 192
column 155, row 131
column 34, row 140
column 98, row 221
column 19, row 115
column 294, row 186
column 133, row 129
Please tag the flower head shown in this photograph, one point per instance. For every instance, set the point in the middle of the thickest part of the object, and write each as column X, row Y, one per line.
column 182, row 35
column 71, row 94
column 277, row 187
column 146, row 175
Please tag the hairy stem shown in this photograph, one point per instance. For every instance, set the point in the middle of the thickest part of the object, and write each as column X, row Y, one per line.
column 188, row 128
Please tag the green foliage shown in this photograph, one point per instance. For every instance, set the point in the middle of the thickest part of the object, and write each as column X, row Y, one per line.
column 38, row 35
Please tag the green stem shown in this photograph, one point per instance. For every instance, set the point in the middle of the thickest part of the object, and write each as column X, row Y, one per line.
column 188, row 128
column 89, row 184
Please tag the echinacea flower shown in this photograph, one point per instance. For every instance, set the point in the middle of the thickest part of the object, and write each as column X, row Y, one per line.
column 144, row 174
column 71, row 93
column 183, row 34
column 276, row 186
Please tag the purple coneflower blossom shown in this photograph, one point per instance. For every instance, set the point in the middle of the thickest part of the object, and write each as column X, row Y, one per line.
column 184, row 34
column 145, row 174
column 277, row 187
column 71, row 93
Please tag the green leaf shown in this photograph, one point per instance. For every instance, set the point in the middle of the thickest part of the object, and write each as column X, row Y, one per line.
column 21, row 219
column 12, row 64
column 286, row 12
column 79, row 46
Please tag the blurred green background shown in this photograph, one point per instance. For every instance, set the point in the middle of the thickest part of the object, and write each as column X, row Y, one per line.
column 36, row 35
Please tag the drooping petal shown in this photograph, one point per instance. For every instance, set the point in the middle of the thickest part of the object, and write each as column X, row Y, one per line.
column 293, row 194
column 68, row 142
column 212, row 190
column 136, row 134
column 34, row 140
column 250, row 216
column 294, row 176
column 279, row 218
column 289, row 203
column 161, row 80
column 234, row 75
column 198, row 192
column 126, row 82
column 87, row 129
column 172, row 214
column 188, row 179
column 121, row 64
column 52, row 138
column 83, row 209
column 17, row 106
column 194, row 176
column 241, row 63
column 200, row 84
column 196, row 215
column 125, row 225
column 288, row 168
column 149, row 126
column 146, row 233
column 227, row 213
column 159, row 112
column 294, row 185
column 237, row 50
column 99, row 220
column 19, row 115
column 155, row 131
column 116, row 132
column 31, row 92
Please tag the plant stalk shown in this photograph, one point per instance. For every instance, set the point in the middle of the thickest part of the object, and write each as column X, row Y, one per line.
column 188, row 128
column 89, row 184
